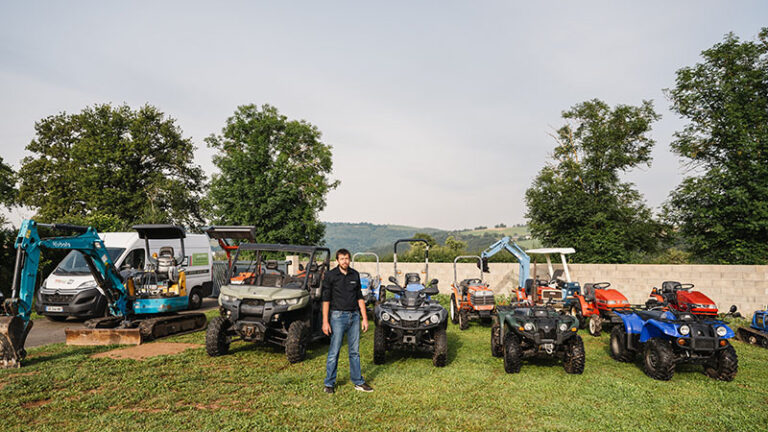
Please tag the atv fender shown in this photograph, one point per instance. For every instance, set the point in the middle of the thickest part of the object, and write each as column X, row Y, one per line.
column 658, row 329
column 633, row 324
column 587, row 309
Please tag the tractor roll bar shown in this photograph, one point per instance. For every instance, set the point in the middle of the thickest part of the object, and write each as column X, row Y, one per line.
column 480, row 266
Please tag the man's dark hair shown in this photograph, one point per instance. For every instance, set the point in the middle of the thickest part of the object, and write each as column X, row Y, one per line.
column 342, row 251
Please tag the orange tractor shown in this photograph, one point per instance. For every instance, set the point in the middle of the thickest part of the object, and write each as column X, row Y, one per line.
column 471, row 299
column 597, row 304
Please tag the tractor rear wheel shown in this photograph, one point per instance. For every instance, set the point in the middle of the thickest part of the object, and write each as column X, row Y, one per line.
column 217, row 337
column 595, row 325
column 463, row 319
column 379, row 344
column 440, row 355
column 296, row 342
column 723, row 365
column 513, row 355
column 658, row 359
column 619, row 350
column 574, row 360
column 454, row 311
column 575, row 311
column 497, row 349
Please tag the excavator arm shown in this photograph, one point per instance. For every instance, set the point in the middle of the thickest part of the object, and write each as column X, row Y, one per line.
column 510, row 246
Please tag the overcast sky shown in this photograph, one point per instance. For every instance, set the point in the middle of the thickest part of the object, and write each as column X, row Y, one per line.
column 438, row 112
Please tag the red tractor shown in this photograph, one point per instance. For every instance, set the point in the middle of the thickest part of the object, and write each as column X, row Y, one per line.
column 597, row 304
column 678, row 296
column 471, row 299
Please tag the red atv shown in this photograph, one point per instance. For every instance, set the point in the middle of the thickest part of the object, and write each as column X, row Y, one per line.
column 680, row 297
column 597, row 306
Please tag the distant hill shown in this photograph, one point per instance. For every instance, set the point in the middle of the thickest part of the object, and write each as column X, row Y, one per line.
column 360, row 237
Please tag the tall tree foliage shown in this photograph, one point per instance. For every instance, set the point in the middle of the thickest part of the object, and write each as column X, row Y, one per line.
column 273, row 173
column 579, row 199
column 722, row 210
column 112, row 164
column 7, row 233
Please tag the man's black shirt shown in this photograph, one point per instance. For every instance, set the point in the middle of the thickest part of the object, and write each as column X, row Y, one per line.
column 342, row 290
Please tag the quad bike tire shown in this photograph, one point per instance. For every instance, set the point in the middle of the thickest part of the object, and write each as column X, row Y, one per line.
column 658, row 360
column 595, row 325
column 440, row 355
column 454, row 310
column 618, row 345
column 296, row 342
column 724, row 365
column 497, row 349
column 575, row 357
column 217, row 338
column 513, row 354
column 379, row 344
column 463, row 319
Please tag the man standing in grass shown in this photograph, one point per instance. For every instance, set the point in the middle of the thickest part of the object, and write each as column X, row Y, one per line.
column 343, row 307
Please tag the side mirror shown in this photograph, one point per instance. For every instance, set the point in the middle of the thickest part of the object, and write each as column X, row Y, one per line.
column 393, row 280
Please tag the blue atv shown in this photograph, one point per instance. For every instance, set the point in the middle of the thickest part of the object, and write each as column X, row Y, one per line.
column 757, row 333
column 371, row 284
column 666, row 338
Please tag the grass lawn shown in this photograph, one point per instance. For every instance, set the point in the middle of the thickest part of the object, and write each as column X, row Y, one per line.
column 62, row 388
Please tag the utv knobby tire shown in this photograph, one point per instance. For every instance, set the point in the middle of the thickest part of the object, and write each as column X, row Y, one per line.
column 217, row 337
column 454, row 310
column 595, row 325
column 440, row 354
column 296, row 342
column 463, row 319
column 575, row 358
column 379, row 344
column 497, row 349
column 658, row 359
column 723, row 365
column 618, row 345
column 513, row 354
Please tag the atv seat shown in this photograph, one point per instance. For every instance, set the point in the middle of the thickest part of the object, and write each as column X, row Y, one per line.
column 557, row 275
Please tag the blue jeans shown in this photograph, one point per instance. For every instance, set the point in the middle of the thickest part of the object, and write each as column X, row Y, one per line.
column 344, row 322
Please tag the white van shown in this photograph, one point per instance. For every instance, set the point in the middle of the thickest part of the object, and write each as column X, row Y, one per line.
column 70, row 290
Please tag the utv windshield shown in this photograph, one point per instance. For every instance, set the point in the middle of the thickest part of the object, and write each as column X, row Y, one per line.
column 74, row 262
column 283, row 269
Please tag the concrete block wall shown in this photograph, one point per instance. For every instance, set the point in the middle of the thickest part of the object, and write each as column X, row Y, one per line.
column 746, row 286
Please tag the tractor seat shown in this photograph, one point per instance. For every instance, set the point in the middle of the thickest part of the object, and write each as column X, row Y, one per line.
column 589, row 292
column 669, row 286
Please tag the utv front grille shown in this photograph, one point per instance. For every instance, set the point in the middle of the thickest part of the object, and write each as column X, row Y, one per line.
column 253, row 302
column 57, row 298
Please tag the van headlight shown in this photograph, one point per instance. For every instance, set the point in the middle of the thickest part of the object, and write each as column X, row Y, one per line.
column 528, row 326
column 721, row 331
column 88, row 284
column 435, row 319
column 385, row 316
column 684, row 330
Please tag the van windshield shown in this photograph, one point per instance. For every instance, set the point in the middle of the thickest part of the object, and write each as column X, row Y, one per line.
column 74, row 263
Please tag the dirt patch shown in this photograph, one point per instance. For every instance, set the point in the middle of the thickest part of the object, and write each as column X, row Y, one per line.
column 140, row 352
column 36, row 404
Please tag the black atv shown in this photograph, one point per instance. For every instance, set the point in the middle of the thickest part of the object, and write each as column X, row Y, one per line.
column 521, row 332
column 411, row 321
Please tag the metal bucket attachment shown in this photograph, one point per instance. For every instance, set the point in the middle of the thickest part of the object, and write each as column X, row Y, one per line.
column 103, row 336
column 12, row 341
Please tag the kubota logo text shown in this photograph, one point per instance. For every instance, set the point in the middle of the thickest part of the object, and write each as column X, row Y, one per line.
column 62, row 244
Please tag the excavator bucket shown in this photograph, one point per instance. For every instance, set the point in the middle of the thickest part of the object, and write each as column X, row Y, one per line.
column 103, row 336
column 12, row 338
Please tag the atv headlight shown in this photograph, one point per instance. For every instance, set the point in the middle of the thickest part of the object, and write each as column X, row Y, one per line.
column 563, row 327
column 684, row 330
column 385, row 316
column 721, row 331
column 286, row 302
column 435, row 318
column 528, row 326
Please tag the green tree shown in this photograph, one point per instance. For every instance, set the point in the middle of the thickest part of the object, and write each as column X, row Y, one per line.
column 112, row 163
column 7, row 233
column 579, row 199
column 722, row 211
column 273, row 173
